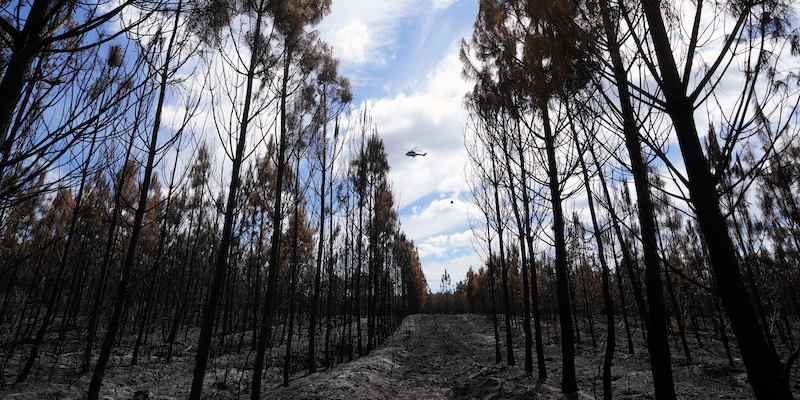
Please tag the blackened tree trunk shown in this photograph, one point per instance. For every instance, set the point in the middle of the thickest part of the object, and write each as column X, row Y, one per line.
column 272, row 276
column 287, row 361
column 312, row 323
column 526, row 313
column 111, row 239
column 55, row 293
column 569, row 384
column 608, row 301
column 359, row 258
column 145, row 317
column 537, row 319
column 676, row 310
column 764, row 368
column 347, row 308
column 492, row 289
column 331, row 281
column 622, row 300
column 162, row 238
column 503, row 266
column 130, row 255
column 221, row 260
column 657, row 339
column 587, row 304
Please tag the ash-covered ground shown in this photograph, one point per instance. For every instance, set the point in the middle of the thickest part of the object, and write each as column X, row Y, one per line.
column 429, row 357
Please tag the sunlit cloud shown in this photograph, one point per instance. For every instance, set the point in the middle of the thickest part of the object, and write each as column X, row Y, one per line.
column 427, row 249
column 364, row 32
column 442, row 4
column 462, row 239
column 439, row 240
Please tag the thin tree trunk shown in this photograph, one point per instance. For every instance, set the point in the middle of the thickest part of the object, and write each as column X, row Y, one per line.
column 52, row 302
column 537, row 320
column 723, row 336
column 503, row 267
column 183, row 303
column 764, row 368
column 287, row 362
column 127, row 266
column 574, row 303
column 492, row 286
column 312, row 325
column 526, row 313
column 360, row 258
column 569, row 384
column 145, row 316
column 221, row 261
column 331, row 261
column 622, row 302
column 272, row 278
column 588, row 307
column 678, row 318
column 608, row 301
column 372, row 288
column 657, row 340
column 94, row 318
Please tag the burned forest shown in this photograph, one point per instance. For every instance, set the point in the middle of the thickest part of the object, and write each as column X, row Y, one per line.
column 196, row 202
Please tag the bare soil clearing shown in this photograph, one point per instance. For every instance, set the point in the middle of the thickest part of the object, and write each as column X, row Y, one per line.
column 429, row 357
column 452, row 357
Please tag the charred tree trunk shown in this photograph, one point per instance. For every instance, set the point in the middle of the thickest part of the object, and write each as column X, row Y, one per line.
column 608, row 301
column 526, row 313
column 492, row 285
column 657, row 340
column 537, row 320
column 287, row 361
column 312, row 323
column 331, row 281
column 764, row 368
column 569, row 384
column 94, row 317
column 503, row 267
column 221, row 261
column 52, row 302
column 272, row 277
column 130, row 255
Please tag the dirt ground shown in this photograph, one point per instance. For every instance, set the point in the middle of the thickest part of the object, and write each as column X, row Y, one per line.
column 452, row 357
column 429, row 357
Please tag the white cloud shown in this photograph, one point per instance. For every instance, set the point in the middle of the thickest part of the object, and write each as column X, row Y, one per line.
column 439, row 240
column 427, row 249
column 431, row 120
column 462, row 239
column 442, row 4
column 365, row 31
column 420, row 109
column 353, row 42
column 437, row 218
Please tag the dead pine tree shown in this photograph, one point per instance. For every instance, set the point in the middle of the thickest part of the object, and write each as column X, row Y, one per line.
column 679, row 101
column 164, row 72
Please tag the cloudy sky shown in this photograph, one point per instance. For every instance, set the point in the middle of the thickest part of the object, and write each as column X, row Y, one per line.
column 402, row 59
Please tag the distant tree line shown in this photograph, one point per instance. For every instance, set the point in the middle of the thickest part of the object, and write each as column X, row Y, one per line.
column 126, row 232
column 638, row 159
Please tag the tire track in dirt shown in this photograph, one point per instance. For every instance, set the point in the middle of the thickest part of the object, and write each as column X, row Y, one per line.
column 436, row 353
column 429, row 357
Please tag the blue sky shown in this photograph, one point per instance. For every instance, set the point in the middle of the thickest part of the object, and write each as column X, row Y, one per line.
column 402, row 58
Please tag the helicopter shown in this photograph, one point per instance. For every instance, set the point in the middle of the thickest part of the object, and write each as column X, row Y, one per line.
column 413, row 153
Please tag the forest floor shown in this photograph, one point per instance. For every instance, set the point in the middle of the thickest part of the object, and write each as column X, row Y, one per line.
column 429, row 357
